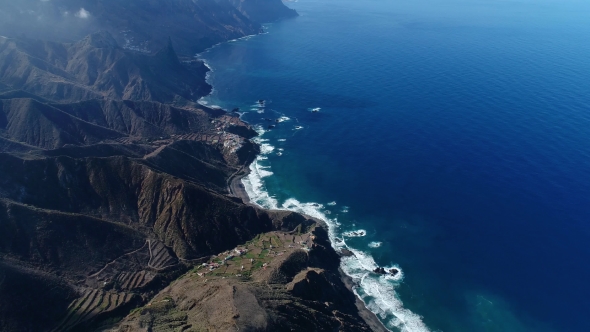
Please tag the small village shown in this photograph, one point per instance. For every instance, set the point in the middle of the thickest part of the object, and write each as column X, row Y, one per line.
column 215, row 135
column 257, row 254
column 218, row 135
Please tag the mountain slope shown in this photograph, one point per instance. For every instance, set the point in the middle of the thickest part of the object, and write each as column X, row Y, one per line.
column 142, row 25
column 97, row 68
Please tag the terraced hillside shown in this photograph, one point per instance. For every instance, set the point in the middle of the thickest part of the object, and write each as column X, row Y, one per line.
column 278, row 281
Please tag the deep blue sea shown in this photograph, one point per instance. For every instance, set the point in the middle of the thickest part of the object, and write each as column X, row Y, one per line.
column 454, row 133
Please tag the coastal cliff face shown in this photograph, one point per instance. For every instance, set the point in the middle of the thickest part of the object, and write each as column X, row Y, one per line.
column 114, row 182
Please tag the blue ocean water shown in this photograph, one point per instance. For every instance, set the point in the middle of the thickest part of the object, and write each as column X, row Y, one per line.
column 455, row 133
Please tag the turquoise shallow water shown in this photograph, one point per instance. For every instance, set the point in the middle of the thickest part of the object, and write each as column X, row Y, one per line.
column 454, row 133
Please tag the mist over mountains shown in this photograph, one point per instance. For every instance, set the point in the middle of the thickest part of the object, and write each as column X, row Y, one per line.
column 141, row 25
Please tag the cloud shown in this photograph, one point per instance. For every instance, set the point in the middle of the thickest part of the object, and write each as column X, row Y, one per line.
column 83, row 13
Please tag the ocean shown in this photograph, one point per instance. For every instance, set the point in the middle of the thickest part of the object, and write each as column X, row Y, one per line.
column 447, row 138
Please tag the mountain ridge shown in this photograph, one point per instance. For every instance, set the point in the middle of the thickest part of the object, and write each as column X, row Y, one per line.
column 115, row 182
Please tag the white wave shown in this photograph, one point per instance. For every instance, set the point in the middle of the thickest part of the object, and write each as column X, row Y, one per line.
column 375, row 244
column 316, row 109
column 283, row 119
column 206, row 64
column 385, row 303
column 298, row 127
column 357, row 233
column 260, row 111
column 260, row 131
column 254, row 186
column 332, row 203
column 282, row 140
column 378, row 292
column 266, row 148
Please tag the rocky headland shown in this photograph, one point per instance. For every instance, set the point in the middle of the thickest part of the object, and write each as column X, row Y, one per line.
column 119, row 193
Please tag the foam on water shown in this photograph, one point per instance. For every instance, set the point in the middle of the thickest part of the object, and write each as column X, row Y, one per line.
column 282, row 140
column 266, row 148
column 376, row 291
column 375, row 244
column 255, row 188
column 283, row 119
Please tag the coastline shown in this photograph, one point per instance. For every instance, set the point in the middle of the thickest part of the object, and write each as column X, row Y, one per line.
column 236, row 189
